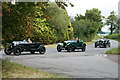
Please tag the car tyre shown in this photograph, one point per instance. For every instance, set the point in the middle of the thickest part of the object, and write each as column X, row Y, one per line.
column 105, row 45
column 7, row 51
column 32, row 52
column 42, row 50
column 59, row 48
column 84, row 48
column 95, row 45
column 70, row 48
column 17, row 51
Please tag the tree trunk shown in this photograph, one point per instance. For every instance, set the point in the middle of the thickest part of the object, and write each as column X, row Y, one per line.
column 111, row 29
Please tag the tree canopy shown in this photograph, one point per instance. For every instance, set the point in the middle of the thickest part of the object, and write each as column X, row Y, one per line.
column 34, row 20
column 112, row 20
column 86, row 27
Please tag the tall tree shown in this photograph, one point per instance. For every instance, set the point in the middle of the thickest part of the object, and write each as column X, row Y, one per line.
column 60, row 21
column 112, row 21
column 94, row 15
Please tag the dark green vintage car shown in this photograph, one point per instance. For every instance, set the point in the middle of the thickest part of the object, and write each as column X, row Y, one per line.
column 71, row 45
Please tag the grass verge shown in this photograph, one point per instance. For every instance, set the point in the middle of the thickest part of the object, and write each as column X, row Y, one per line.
column 88, row 43
column 113, row 37
column 14, row 70
column 51, row 45
column 114, row 51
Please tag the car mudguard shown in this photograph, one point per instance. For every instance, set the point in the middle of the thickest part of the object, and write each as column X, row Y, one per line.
column 40, row 46
column 83, row 44
column 59, row 44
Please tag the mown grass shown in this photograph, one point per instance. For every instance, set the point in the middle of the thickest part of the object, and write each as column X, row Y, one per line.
column 51, row 45
column 113, row 37
column 115, row 51
column 14, row 70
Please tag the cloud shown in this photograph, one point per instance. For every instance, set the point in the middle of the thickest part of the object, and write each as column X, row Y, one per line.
column 106, row 6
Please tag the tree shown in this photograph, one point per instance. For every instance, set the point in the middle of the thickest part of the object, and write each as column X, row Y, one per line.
column 85, row 29
column 36, row 21
column 93, row 15
column 112, row 21
column 24, row 20
column 60, row 21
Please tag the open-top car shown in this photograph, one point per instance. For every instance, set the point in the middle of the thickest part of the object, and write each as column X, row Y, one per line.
column 102, row 43
column 24, row 46
column 71, row 45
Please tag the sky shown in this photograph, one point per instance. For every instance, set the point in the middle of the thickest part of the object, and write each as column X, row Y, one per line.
column 105, row 6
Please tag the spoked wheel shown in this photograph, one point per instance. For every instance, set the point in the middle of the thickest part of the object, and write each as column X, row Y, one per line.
column 84, row 48
column 70, row 48
column 59, row 48
column 17, row 51
column 7, row 51
column 42, row 50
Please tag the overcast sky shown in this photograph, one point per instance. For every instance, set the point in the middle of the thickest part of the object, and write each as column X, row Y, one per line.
column 105, row 6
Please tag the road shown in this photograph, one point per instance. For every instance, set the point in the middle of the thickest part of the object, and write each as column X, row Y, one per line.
column 93, row 63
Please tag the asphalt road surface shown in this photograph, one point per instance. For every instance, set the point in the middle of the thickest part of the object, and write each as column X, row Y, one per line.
column 93, row 63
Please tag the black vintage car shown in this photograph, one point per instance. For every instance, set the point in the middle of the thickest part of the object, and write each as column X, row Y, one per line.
column 23, row 46
column 102, row 43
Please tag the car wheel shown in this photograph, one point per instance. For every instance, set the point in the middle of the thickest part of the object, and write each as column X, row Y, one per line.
column 109, row 45
column 70, row 48
column 17, row 51
column 32, row 52
column 105, row 46
column 73, row 49
column 59, row 48
column 7, row 51
column 84, row 48
column 42, row 50
column 95, row 45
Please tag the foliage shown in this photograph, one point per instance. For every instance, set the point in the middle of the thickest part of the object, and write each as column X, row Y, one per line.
column 112, row 21
column 86, row 27
column 85, row 30
column 94, row 15
column 17, row 21
column 60, row 21
column 24, row 20
column 114, row 37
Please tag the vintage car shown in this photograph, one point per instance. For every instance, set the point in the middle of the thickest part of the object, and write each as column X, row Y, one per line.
column 102, row 43
column 23, row 46
column 71, row 45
